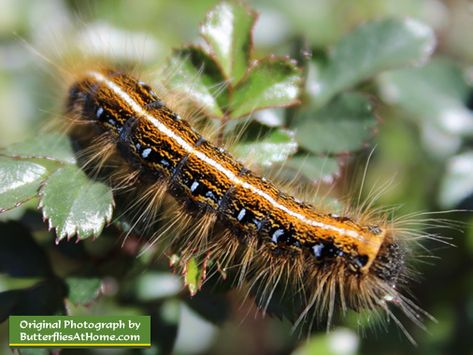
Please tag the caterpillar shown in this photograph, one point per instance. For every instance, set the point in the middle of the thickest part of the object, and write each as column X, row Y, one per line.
column 275, row 243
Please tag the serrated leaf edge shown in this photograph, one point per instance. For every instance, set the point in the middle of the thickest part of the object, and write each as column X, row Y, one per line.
column 68, row 236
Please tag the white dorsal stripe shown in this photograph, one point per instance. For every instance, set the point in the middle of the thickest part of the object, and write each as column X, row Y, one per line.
column 141, row 112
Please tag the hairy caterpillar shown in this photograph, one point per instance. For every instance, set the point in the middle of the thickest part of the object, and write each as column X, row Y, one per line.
column 410, row 156
column 317, row 262
column 274, row 241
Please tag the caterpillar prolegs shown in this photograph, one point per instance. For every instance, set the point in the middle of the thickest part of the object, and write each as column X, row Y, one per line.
column 319, row 260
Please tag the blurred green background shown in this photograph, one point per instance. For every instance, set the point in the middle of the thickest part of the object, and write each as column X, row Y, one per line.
column 423, row 143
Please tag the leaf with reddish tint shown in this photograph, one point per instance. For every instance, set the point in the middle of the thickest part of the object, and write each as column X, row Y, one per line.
column 193, row 276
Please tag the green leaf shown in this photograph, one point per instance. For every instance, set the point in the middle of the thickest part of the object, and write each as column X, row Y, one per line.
column 83, row 290
column 198, row 334
column 271, row 117
column 344, row 125
column 8, row 283
column 275, row 147
column 193, row 275
column 155, row 285
column 227, row 30
column 198, row 76
column 74, row 204
column 52, row 146
column 20, row 181
column 435, row 93
column 370, row 49
column 314, row 168
column 271, row 82
column 457, row 184
column 337, row 342
column 17, row 213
